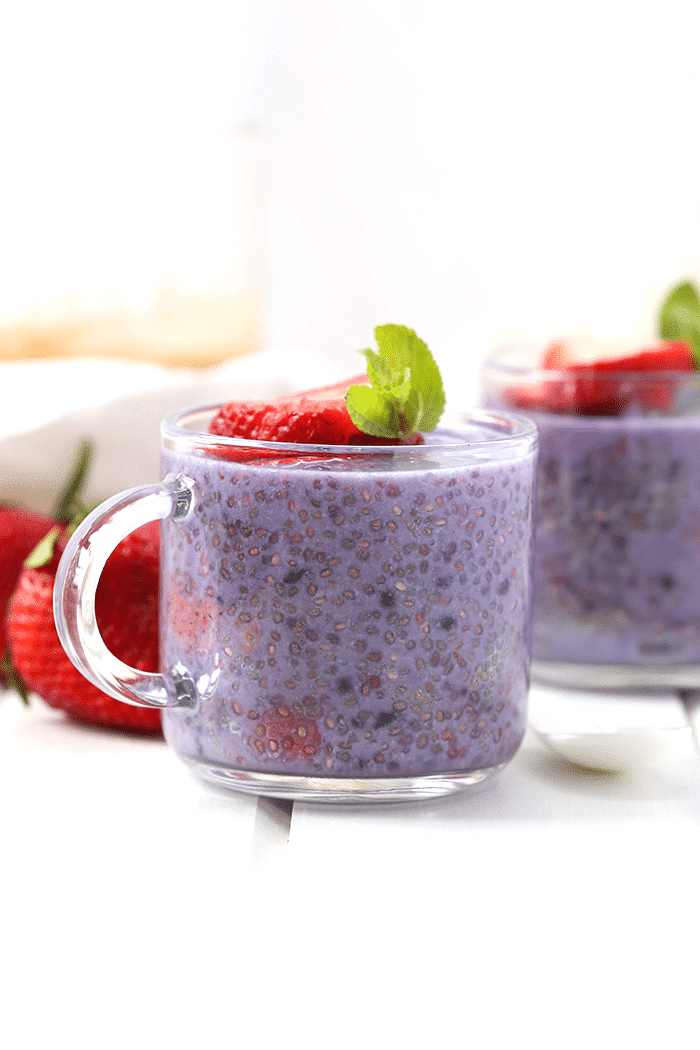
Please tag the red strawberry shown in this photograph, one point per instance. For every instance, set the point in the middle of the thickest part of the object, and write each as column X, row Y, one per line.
column 598, row 387
column 600, row 393
column 542, row 395
column 20, row 531
column 664, row 356
column 127, row 616
column 307, row 420
column 557, row 356
column 316, row 416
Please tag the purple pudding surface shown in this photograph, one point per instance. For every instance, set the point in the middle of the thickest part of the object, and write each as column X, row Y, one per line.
column 617, row 551
column 354, row 623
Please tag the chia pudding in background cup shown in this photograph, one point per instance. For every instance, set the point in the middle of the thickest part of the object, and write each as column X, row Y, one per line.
column 337, row 623
column 616, row 598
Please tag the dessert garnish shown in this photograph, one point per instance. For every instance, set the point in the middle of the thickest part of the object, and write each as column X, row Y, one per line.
column 399, row 397
column 406, row 395
column 679, row 317
column 602, row 385
column 585, row 376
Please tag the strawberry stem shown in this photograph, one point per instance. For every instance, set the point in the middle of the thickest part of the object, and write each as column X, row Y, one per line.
column 66, row 506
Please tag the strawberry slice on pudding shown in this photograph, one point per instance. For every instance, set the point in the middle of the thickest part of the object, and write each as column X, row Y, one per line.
column 400, row 396
column 604, row 387
column 317, row 416
column 602, row 381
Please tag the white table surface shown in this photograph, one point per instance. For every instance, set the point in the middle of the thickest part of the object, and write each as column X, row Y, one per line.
column 143, row 907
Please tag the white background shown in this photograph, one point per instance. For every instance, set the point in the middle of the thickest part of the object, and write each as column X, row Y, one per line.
column 471, row 170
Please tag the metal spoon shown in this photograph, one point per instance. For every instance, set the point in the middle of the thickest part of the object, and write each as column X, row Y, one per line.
column 608, row 730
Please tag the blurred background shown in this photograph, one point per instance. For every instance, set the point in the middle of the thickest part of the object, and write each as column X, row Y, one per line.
column 186, row 185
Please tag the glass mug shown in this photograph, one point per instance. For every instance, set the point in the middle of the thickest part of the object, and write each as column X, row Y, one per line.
column 616, row 598
column 335, row 624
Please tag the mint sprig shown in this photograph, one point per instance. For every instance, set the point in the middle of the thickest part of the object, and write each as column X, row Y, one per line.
column 406, row 394
column 679, row 317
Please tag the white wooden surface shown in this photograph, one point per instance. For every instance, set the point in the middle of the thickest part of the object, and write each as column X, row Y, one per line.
column 144, row 908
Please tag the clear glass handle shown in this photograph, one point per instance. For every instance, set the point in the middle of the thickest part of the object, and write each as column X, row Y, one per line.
column 77, row 578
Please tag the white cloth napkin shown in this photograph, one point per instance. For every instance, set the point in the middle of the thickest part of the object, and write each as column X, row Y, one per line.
column 50, row 406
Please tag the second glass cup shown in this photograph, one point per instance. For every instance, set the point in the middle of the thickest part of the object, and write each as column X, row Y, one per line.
column 616, row 598
column 336, row 623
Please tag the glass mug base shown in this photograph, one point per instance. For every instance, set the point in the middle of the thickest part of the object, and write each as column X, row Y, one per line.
column 341, row 789
column 615, row 676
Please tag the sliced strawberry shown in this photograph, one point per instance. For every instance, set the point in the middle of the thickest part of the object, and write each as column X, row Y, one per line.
column 604, row 386
column 545, row 395
column 600, row 391
column 557, row 355
column 546, row 392
column 317, row 417
column 239, row 419
column 665, row 356
column 312, row 421
column 305, row 420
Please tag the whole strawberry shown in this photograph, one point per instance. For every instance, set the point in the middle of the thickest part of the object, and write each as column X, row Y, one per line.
column 20, row 531
column 126, row 609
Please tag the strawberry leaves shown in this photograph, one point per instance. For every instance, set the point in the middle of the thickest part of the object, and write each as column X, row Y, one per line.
column 679, row 317
column 406, row 393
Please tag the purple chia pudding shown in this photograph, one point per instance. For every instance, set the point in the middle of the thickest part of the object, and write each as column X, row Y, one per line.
column 358, row 616
column 616, row 597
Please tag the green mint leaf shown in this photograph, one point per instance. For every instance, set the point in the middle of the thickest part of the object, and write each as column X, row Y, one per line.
column 372, row 412
column 392, row 385
column 406, row 393
column 679, row 317
column 378, row 370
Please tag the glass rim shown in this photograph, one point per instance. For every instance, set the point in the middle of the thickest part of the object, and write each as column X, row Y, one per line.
column 515, row 429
